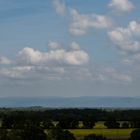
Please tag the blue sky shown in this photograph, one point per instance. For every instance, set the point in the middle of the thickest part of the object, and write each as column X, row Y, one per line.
column 69, row 48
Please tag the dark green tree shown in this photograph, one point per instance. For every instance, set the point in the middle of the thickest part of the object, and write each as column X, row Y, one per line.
column 34, row 134
column 111, row 123
column 125, row 125
column 3, row 134
column 7, row 122
column 27, row 134
column 47, row 124
column 15, row 134
column 135, row 135
column 135, row 123
column 55, row 134
column 67, row 135
column 88, row 124
column 68, row 124
column 59, row 134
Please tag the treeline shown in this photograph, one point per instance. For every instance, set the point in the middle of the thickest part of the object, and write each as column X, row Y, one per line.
column 40, row 134
column 69, row 118
column 80, row 114
column 35, row 133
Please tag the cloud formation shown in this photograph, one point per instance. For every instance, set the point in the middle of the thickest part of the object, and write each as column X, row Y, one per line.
column 15, row 72
column 111, row 73
column 52, row 64
column 121, row 6
column 125, row 38
column 59, row 6
column 53, row 45
column 57, row 64
column 75, row 46
column 81, row 23
column 4, row 60
column 59, row 56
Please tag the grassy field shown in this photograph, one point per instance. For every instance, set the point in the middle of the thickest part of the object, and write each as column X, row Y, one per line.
column 100, row 129
column 109, row 133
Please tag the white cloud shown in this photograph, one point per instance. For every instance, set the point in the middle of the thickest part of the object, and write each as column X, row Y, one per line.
column 59, row 6
column 29, row 72
column 53, row 45
column 4, row 60
column 113, row 75
column 75, row 46
column 81, row 23
column 40, row 72
column 15, row 72
column 54, row 64
column 125, row 38
column 121, row 6
column 127, row 61
column 59, row 64
column 59, row 56
column 29, row 56
column 136, row 57
column 119, row 76
column 134, row 28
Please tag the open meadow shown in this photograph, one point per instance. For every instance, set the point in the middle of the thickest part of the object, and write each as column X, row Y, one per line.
column 100, row 129
column 109, row 133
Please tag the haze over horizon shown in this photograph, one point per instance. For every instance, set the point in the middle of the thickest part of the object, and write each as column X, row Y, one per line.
column 68, row 48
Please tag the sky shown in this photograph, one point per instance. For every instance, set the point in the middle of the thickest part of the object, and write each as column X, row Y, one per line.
column 69, row 48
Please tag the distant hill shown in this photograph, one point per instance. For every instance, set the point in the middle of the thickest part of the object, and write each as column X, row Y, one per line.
column 82, row 102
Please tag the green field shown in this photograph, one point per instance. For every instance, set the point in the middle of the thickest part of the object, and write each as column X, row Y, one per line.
column 100, row 129
column 109, row 133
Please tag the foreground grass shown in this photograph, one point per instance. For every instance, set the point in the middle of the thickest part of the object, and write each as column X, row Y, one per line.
column 109, row 133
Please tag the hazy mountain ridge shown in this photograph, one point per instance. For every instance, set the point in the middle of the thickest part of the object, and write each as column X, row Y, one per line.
column 91, row 102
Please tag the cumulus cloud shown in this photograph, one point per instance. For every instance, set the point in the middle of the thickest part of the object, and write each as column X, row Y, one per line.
column 59, row 64
column 4, row 60
column 119, row 76
column 75, row 46
column 121, row 6
column 134, row 28
column 59, row 56
column 54, row 64
column 81, row 23
column 125, row 38
column 112, row 75
column 15, row 72
column 59, row 6
column 53, row 45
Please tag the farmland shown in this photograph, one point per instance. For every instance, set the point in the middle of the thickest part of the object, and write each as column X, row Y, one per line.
column 101, row 129
column 78, row 123
column 109, row 133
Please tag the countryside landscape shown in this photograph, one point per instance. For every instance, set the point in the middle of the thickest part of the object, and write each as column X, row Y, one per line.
column 69, row 124
column 69, row 70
